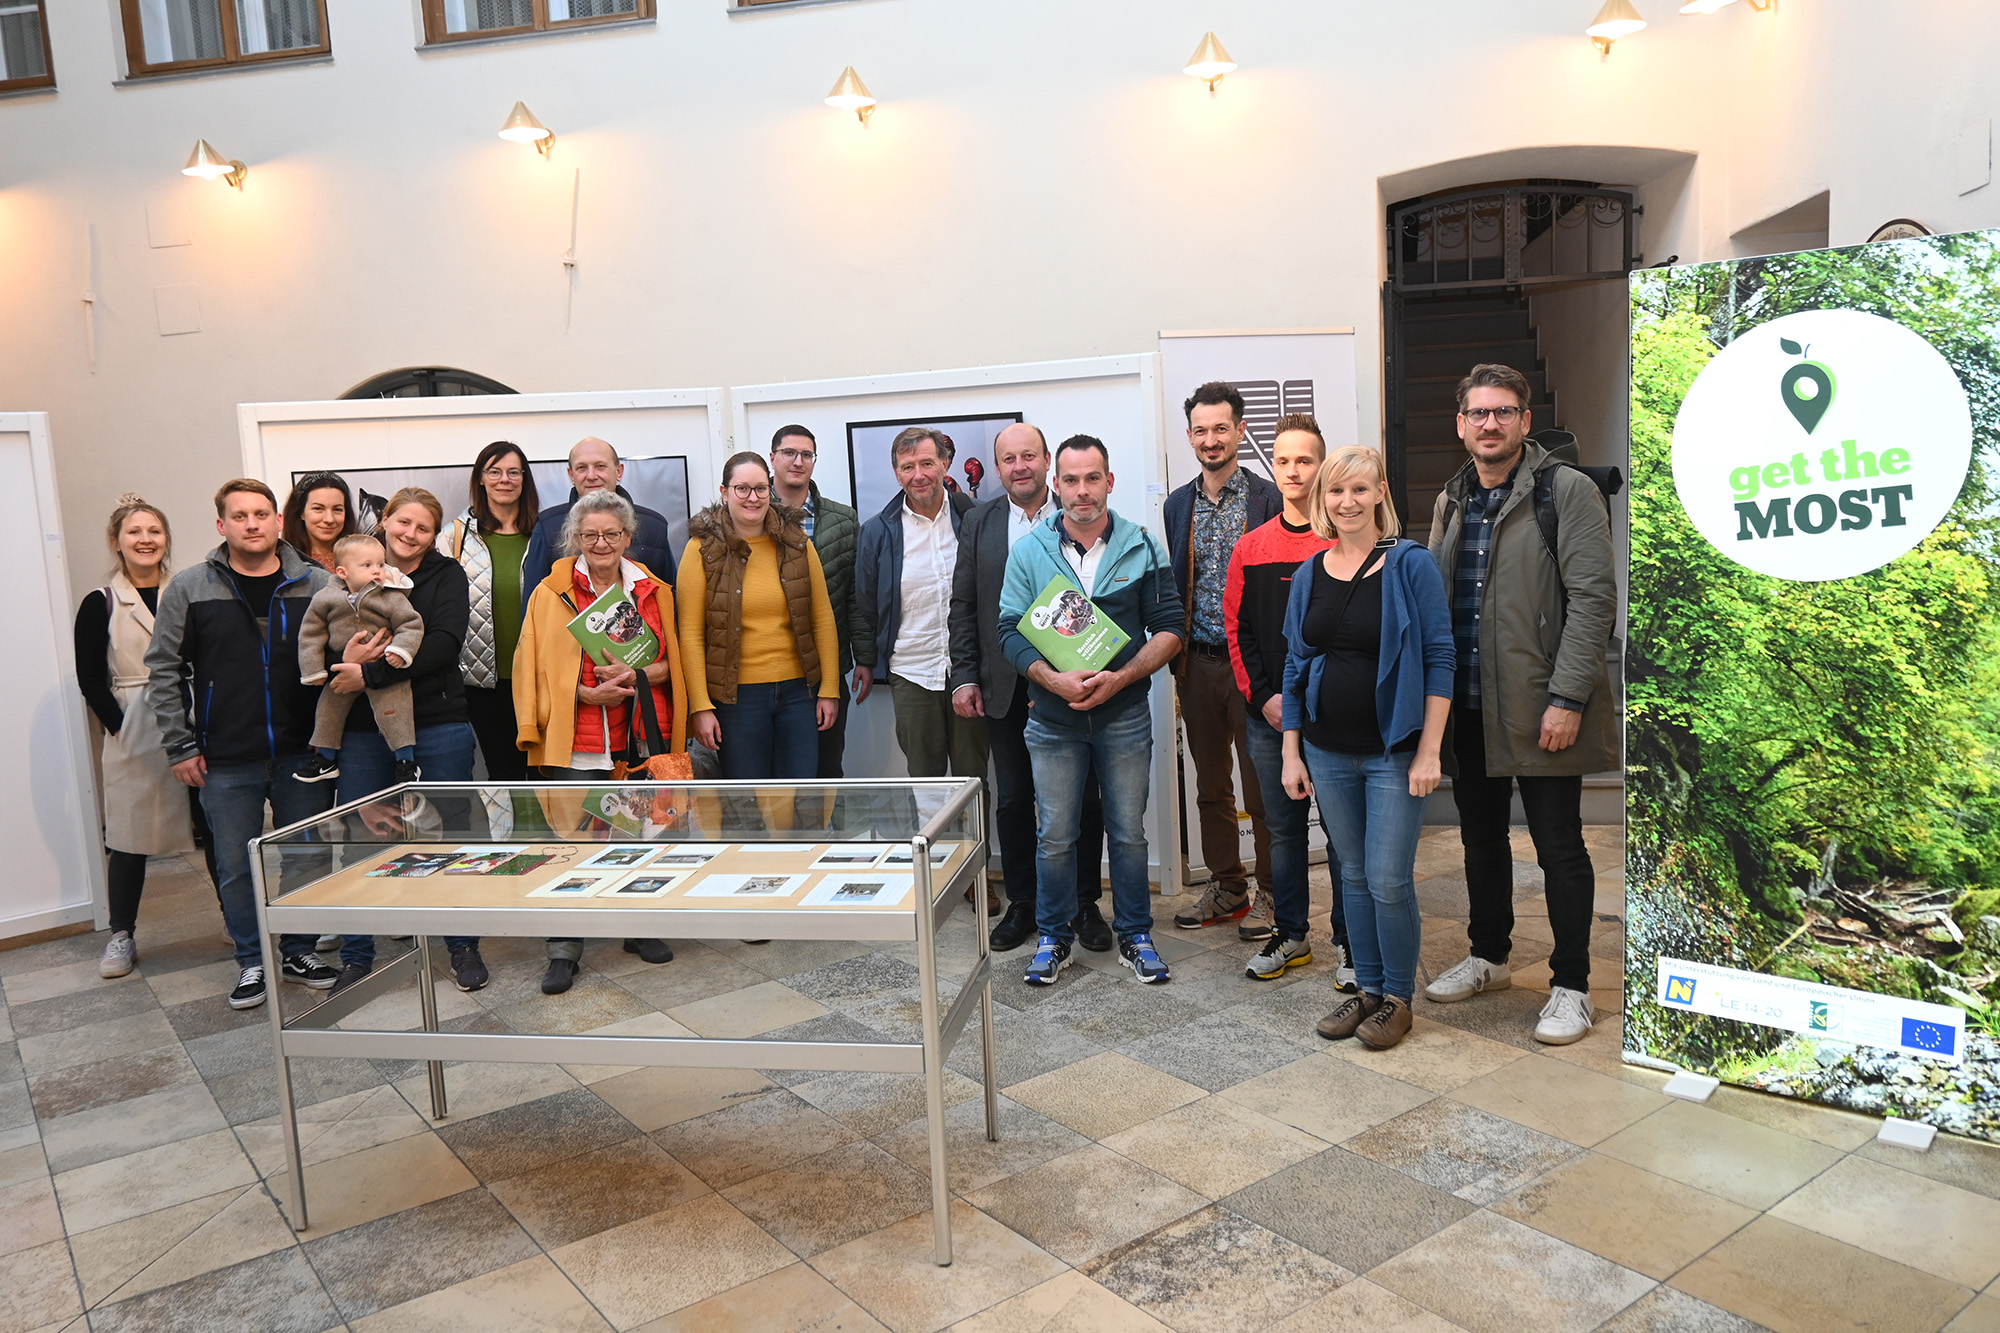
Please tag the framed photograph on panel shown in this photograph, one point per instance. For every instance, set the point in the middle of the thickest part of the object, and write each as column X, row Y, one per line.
column 874, row 478
column 659, row 484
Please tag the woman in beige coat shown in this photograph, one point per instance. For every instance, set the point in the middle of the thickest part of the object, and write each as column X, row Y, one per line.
column 145, row 809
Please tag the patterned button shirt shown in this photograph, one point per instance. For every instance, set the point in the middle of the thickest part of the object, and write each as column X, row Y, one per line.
column 1218, row 525
column 1468, row 589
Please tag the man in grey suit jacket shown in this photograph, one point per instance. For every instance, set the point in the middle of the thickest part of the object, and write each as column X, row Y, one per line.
column 984, row 684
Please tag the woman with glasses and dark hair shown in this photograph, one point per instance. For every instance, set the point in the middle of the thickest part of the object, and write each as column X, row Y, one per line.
column 491, row 541
column 757, row 633
column 318, row 513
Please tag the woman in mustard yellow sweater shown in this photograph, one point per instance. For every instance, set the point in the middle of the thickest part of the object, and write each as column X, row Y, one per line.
column 757, row 636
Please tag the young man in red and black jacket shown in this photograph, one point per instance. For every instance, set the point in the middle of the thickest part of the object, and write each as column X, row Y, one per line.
column 1253, row 613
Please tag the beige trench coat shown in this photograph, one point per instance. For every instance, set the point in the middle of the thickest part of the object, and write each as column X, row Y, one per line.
column 145, row 806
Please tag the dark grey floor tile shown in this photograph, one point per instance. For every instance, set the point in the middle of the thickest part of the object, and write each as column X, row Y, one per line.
column 1217, row 1269
column 252, row 1094
column 837, row 1196
column 1023, row 1048
column 10, row 1059
column 1213, row 1052
column 1507, row 1015
column 15, row 1108
column 101, row 1082
column 580, row 1196
column 221, row 1054
column 855, row 981
column 697, row 973
column 395, row 1071
column 98, row 1004
column 1119, row 1011
column 278, row 1293
column 160, row 958
column 76, row 948
column 827, row 1027
column 1010, row 990
column 529, row 1136
column 760, row 1134
column 419, row 1250
column 1665, row 1310
column 1288, row 1013
column 1354, row 1211
column 210, row 1015
column 1463, row 1151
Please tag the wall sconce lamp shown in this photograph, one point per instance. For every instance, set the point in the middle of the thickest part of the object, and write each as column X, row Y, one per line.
column 851, row 94
column 1209, row 62
column 1617, row 19
column 208, row 164
column 522, row 127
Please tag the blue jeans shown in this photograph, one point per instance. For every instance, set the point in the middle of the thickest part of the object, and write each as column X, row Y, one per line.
column 444, row 753
column 1121, row 749
column 233, row 799
column 1366, row 802
column 1286, row 818
column 771, row 731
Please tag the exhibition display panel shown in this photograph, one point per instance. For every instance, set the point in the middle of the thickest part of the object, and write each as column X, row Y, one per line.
column 877, row 861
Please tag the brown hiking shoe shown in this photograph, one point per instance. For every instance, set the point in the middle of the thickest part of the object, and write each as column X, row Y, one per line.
column 1389, row 1024
column 1342, row 1021
column 1215, row 906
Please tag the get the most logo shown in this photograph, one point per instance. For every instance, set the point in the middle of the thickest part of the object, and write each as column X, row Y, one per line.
column 1822, row 445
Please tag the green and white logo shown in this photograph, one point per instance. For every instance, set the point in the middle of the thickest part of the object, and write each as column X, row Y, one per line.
column 1822, row 445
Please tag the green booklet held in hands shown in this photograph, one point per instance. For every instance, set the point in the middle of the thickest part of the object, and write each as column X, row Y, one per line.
column 612, row 627
column 1069, row 630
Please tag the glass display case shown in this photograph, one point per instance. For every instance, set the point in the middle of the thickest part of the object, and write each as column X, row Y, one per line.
column 845, row 860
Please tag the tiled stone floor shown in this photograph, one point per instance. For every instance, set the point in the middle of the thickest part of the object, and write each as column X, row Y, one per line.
column 1189, row 1157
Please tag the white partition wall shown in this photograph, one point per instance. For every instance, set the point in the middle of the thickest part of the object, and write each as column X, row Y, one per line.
column 1115, row 398
column 48, row 823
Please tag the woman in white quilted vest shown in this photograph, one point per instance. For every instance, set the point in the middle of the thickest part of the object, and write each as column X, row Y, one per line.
column 491, row 541
column 145, row 809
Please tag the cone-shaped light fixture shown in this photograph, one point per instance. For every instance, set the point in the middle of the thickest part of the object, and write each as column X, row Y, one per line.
column 522, row 127
column 851, row 94
column 1209, row 62
column 1617, row 19
column 208, row 164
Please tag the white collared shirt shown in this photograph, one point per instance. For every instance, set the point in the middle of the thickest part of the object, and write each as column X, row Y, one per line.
column 1085, row 563
column 930, row 554
column 1020, row 523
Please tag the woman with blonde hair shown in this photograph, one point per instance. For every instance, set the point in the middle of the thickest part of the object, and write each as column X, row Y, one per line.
column 146, row 811
column 1368, row 679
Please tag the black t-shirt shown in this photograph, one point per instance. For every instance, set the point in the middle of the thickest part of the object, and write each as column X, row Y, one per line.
column 1347, row 721
column 258, row 590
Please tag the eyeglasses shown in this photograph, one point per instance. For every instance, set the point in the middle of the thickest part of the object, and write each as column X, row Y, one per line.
column 1503, row 415
column 750, row 492
column 795, row 455
column 601, row 538
column 503, row 474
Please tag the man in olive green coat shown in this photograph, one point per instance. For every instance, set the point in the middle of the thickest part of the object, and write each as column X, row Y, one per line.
column 834, row 529
column 1533, row 703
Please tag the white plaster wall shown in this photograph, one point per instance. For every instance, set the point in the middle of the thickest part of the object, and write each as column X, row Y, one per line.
column 1040, row 182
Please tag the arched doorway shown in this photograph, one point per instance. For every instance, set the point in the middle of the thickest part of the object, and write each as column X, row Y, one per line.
column 426, row 382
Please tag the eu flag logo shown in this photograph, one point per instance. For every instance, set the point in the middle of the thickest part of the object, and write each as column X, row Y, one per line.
column 1936, row 1038
column 1680, row 990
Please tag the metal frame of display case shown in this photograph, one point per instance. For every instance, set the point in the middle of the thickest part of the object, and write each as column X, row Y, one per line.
column 312, row 1034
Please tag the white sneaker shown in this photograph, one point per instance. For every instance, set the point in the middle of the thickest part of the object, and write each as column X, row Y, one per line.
column 1565, row 1018
column 1343, row 970
column 119, row 955
column 1469, row 978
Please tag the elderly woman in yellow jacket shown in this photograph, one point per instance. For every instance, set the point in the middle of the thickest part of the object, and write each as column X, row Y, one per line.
column 576, row 717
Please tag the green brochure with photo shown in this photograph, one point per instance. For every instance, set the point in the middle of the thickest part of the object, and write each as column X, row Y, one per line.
column 1070, row 630
column 612, row 627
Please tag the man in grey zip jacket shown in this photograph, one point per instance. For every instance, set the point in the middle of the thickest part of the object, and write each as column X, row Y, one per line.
column 228, row 628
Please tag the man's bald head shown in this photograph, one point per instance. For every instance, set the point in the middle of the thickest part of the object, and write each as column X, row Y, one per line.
column 1021, row 458
column 594, row 465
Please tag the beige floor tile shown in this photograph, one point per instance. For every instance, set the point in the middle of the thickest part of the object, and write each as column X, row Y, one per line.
column 23, row 1163
column 49, row 982
column 97, row 1041
column 1603, row 1052
column 174, row 1113
column 111, row 1191
column 645, row 1025
column 1086, row 1203
column 194, row 983
column 1845, row 1130
column 658, row 1264
column 1027, row 1139
column 1493, row 1275
column 1631, row 1217
column 473, row 1089
column 334, row 1129
column 1436, row 1056
column 28, row 1214
column 1719, row 1153
column 891, row 1274
column 402, row 1011
column 376, row 1182
column 791, row 1300
column 871, row 1104
column 37, row 1287
column 1068, row 1303
column 109, row 1257
column 655, row 1098
column 1560, row 1098
column 1949, row 1233
column 1104, row 1094
column 1214, row 1146
column 531, row 1296
column 1796, row 1281
column 1982, row 1316
column 1329, row 1099
column 1363, row 1307
column 245, row 1227
column 749, row 1012
column 580, row 1196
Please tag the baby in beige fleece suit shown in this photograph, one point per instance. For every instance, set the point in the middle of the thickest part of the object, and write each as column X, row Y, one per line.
column 368, row 594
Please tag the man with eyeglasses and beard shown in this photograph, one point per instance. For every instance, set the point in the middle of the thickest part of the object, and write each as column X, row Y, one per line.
column 834, row 530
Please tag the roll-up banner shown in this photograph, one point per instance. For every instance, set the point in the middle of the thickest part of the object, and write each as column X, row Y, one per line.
column 1813, row 677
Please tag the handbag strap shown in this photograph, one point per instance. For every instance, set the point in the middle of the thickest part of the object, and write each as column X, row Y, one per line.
column 1367, row 566
column 643, row 709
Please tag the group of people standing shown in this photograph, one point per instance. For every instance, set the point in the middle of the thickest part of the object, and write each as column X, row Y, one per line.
column 1304, row 632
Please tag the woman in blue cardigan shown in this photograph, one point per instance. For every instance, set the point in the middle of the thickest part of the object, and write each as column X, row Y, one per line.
column 1368, row 676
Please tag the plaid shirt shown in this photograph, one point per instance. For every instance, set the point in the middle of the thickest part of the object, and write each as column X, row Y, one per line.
column 1468, row 585
column 1218, row 525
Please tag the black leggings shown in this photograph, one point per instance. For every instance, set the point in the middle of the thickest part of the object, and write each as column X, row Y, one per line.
column 128, row 881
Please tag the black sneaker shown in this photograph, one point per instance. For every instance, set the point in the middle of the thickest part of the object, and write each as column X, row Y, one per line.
column 559, row 976
column 468, row 969
column 308, row 970
column 249, row 992
column 350, row 974
column 317, row 769
column 407, row 771
column 1091, row 932
column 653, row 951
